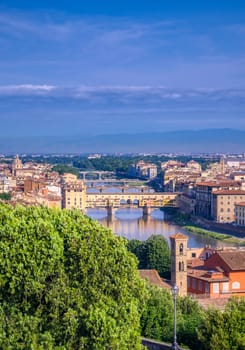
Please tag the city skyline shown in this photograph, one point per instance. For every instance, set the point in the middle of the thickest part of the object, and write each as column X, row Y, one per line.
column 96, row 69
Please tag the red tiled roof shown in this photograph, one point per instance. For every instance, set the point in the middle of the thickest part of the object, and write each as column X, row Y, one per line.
column 229, row 192
column 241, row 204
column 234, row 259
column 218, row 183
column 179, row 236
column 153, row 278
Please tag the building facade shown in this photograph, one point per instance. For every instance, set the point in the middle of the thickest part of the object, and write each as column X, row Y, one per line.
column 221, row 274
column 223, row 205
column 240, row 213
column 73, row 192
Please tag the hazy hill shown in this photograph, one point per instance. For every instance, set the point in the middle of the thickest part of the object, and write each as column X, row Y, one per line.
column 209, row 140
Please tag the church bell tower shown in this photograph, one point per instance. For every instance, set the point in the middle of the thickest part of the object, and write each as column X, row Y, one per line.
column 179, row 262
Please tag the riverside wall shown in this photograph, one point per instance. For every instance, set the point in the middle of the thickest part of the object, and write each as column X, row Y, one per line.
column 156, row 345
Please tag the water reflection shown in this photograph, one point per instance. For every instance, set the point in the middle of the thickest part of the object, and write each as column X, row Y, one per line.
column 129, row 223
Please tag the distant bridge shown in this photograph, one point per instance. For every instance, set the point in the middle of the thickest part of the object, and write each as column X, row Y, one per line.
column 98, row 173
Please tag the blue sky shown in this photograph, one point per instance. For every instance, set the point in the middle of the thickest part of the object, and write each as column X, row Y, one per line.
column 98, row 67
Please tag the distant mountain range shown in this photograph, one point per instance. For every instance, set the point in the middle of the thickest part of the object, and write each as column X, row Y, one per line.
column 209, row 140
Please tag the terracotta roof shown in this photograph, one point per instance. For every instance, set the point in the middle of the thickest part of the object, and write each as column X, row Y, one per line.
column 218, row 183
column 179, row 236
column 234, row 259
column 207, row 275
column 153, row 278
column 241, row 204
column 229, row 192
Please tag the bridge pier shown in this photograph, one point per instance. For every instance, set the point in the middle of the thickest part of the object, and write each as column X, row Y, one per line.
column 147, row 210
column 110, row 211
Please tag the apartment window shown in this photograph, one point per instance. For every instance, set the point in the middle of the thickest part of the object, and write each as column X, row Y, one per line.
column 206, row 287
column 200, row 285
column 225, row 287
column 188, row 281
column 215, row 288
column 194, row 283
column 236, row 285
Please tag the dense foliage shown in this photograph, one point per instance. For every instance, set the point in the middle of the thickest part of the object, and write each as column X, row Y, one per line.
column 210, row 329
column 5, row 196
column 154, row 253
column 116, row 163
column 65, row 283
column 157, row 318
column 63, row 168
column 224, row 330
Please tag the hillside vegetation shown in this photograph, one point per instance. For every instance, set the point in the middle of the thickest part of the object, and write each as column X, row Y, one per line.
column 65, row 283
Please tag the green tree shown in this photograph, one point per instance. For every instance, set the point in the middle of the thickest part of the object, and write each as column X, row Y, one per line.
column 157, row 318
column 154, row 253
column 5, row 196
column 158, row 255
column 65, row 283
column 190, row 317
column 224, row 330
column 63, row 168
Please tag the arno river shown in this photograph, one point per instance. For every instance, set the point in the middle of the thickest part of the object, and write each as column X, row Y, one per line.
column 129, row 223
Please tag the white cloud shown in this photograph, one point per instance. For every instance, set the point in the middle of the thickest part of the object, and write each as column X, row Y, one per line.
column 147, row 95
column 25, row 89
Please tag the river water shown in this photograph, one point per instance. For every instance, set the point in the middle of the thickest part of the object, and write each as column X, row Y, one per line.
column 129, row 223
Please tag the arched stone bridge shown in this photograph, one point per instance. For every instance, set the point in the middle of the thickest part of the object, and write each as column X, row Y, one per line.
column 141, row 199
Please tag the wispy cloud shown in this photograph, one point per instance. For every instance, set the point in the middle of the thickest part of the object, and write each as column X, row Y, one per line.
column 25, row 89
column 149, row 97
column 66, row 49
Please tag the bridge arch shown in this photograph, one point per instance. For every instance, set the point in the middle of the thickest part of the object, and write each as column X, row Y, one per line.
column 123, row 201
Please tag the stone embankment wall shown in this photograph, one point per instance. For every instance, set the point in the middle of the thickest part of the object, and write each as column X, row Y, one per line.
column 219, row 227
column 155, row 345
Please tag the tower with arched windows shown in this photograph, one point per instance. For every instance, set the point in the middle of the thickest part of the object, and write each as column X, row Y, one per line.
column 179, row 262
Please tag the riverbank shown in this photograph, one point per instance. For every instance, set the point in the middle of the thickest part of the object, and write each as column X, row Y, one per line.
column 204, row 227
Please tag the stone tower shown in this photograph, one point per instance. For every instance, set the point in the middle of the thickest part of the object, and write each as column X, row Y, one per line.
column 222, row 165
column 17, row 164
column 179, row 262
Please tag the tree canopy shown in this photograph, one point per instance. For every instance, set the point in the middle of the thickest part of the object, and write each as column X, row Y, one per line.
column 154, row 253
column 5, row 196
column 224, row 330
column 65, row 283
column 157, row 319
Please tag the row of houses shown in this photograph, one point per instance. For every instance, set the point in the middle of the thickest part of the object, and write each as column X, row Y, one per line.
column 221, row 201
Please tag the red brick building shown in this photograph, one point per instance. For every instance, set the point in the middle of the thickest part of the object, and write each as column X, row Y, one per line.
column 221, row 275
